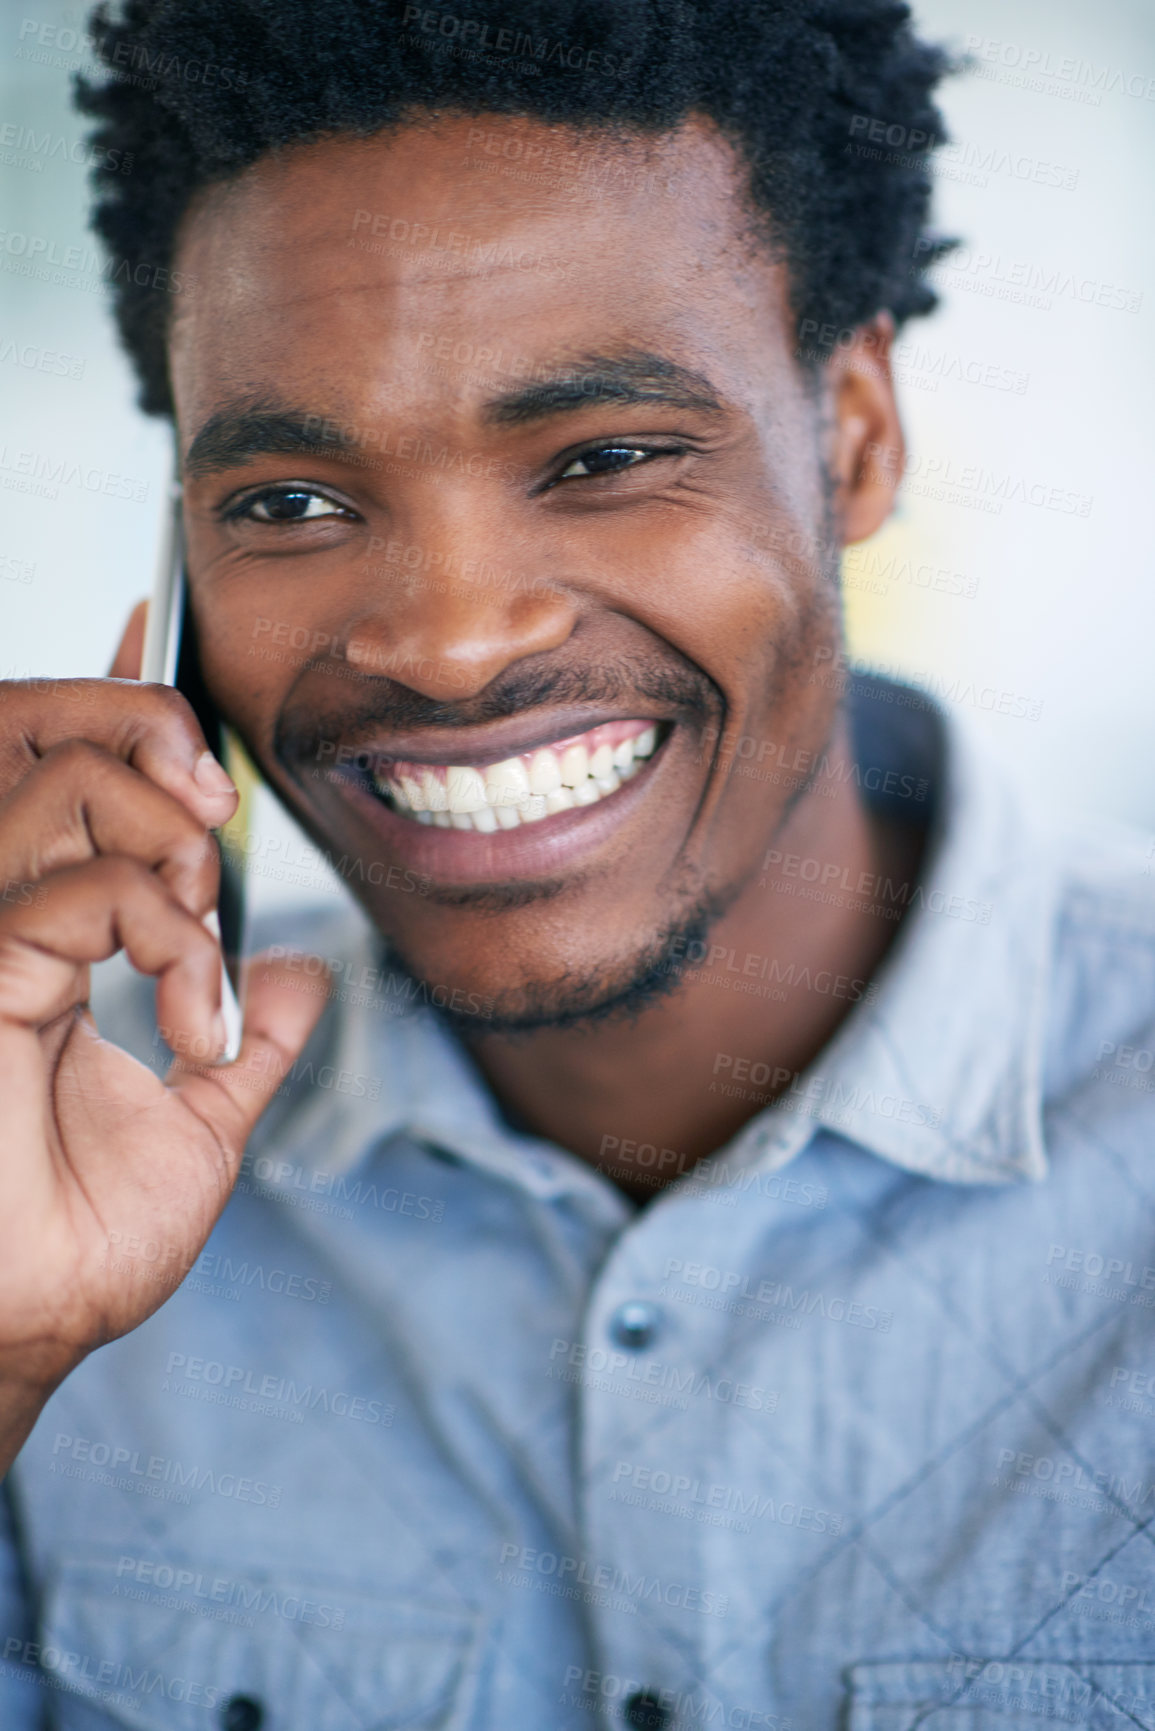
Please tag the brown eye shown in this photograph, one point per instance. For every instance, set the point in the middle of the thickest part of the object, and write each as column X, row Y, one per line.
column 288, row 505
column 605, row 460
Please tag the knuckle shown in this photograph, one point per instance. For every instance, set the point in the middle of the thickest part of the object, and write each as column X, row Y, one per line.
column 120, row 876
column 81, row 757
column 170, row 706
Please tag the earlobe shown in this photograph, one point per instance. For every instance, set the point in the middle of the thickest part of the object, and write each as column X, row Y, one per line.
column 130, row 651
column 869, row 450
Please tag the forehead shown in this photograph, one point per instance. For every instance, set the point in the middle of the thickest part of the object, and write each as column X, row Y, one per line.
column 357, row 265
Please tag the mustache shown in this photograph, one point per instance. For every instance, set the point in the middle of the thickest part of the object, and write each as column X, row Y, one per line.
column 388, row 706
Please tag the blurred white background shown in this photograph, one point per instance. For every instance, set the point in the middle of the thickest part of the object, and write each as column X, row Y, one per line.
column 1023, row 395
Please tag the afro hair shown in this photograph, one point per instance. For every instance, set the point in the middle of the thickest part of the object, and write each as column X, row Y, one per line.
column 197, row 90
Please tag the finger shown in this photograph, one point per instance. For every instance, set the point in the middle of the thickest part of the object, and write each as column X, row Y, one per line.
column 87, row 913
column 279, row 1017
column 79, row 801
column 150, row 727
column 130, row 650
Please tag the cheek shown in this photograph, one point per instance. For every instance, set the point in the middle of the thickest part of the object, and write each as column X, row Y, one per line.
column 258, row 634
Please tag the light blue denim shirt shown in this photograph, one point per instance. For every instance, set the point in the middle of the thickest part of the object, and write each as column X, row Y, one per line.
column 851, row 1426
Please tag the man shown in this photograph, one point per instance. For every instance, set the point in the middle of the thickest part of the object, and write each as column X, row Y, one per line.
column 694, row 1265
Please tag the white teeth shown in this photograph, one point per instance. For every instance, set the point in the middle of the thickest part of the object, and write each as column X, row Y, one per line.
column 466, row 788
column 601, row 761
column 545, row 774
column 507, row 794
column 575, row 765
column 507, row 784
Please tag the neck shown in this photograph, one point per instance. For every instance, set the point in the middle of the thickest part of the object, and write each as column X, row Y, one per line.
column 643, row 1101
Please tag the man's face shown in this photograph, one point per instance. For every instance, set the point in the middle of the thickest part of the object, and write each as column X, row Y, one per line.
column 521, row 458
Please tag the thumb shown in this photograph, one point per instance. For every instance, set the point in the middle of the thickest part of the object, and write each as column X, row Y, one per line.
column 281, row 1010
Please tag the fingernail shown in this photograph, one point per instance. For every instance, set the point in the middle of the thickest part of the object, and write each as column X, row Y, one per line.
column 220, row 1033
column 210, row 777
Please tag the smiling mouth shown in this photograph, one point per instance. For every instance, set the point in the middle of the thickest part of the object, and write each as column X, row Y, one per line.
column 579, row 770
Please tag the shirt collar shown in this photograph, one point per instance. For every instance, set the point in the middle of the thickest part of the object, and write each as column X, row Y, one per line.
column 938, row 1069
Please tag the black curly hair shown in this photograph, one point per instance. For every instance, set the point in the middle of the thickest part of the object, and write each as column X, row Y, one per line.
column 197, row 90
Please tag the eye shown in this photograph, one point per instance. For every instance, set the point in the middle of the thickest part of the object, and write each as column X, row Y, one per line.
column 286, row 505
column 607, row 460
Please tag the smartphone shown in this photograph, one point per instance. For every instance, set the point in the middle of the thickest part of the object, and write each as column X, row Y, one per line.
column 170, row 658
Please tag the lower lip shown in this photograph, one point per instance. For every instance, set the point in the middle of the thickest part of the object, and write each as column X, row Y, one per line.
column 533, row 850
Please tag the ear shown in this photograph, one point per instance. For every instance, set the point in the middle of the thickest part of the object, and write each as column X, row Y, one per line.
column 867, row 450
column 126, row 662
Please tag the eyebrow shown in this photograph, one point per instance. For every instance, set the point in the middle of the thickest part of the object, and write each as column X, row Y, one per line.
column 262, row 428
column 637, row 377
column 266, row 426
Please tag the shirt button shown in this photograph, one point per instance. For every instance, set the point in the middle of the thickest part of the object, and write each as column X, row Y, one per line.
column 635, row 1324
column 242, row 1713
column 645, row 1712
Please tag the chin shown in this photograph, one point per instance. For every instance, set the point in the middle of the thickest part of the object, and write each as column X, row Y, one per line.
column 576, row 995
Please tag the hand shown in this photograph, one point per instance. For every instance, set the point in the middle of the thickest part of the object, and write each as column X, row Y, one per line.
column 107, row 796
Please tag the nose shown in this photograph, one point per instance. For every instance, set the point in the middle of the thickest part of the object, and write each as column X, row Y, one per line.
column 452, row 611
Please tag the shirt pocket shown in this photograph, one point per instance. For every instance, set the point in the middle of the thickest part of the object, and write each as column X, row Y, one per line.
column 316, row 1658
column 1001, row 1695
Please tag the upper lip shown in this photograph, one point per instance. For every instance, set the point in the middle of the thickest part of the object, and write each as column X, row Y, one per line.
column 490, row 742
